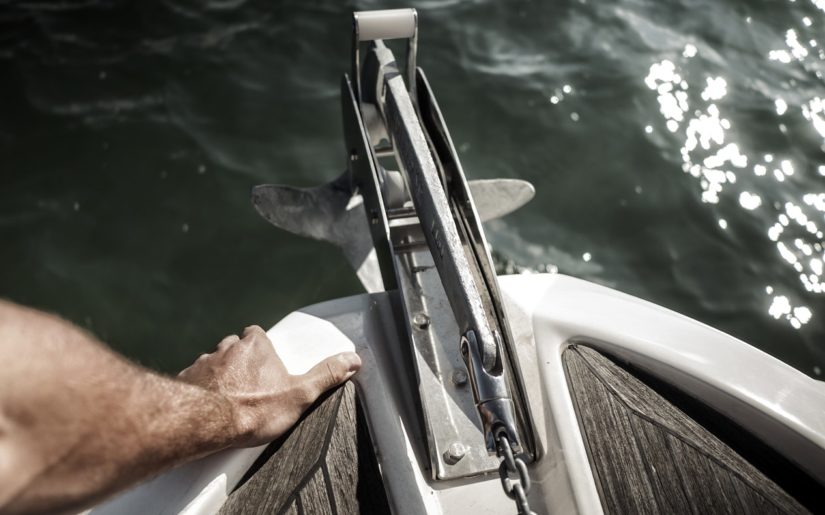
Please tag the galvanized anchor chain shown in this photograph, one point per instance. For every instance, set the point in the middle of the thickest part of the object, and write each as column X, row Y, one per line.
column 515, row 480
column 496, row 409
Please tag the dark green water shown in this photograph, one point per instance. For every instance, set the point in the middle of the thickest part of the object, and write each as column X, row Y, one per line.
column 677, row 149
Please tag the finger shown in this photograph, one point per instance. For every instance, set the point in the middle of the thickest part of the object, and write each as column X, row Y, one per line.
column 253, row 331
column 228, row 342
column 186, row 372
column 330, row 373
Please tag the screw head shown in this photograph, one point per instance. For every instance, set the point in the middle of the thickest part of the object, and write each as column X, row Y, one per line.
column 454, row 453
column 421, row 321
column 459, row 377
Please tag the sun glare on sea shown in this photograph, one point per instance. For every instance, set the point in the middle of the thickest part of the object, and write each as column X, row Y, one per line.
column 709, row 153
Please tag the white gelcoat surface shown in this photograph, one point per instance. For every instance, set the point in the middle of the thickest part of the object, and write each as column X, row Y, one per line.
column 302, row 341
column 547, row 312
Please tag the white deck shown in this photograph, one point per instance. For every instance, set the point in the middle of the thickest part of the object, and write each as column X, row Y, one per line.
column 547, row 312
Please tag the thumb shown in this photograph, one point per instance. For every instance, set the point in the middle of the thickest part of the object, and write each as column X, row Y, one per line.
column 331, row 372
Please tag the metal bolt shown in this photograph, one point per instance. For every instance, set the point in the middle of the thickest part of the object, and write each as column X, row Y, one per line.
column 421, row 321
column 454, row 453
column 459, row 377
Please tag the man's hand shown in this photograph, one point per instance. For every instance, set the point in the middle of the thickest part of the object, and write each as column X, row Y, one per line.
column 79, row 423
column 266, row 400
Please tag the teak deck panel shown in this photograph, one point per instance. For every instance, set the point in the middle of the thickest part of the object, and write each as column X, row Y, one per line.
column 646, row 454
column 325, row 465
column 650, row 457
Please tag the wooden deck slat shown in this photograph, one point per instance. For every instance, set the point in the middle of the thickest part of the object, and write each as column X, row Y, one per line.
column 650, row 457
column 325, row 465
column 314, row 498
column 661, row 469
column 339, row 465
column 293, row 509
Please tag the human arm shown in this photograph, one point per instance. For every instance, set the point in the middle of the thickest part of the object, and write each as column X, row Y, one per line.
column 78, row 422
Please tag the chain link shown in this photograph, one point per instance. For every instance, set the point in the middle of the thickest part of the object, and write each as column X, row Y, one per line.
column 515, row 479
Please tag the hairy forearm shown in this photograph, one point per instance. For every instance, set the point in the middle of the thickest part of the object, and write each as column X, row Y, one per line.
column 77, row 422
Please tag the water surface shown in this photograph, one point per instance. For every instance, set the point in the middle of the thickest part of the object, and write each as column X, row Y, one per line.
column 677, row 148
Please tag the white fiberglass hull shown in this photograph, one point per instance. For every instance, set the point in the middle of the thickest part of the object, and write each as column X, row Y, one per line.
column 548, row 312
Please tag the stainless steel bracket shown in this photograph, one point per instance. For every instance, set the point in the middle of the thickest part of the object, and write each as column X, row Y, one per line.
column 430, row 245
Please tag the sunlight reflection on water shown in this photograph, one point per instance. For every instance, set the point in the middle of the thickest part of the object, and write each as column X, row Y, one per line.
column 709, row 156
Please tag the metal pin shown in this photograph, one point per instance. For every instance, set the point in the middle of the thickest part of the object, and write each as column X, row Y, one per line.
column 459, row 377
column 454, row 453
column 421, row 321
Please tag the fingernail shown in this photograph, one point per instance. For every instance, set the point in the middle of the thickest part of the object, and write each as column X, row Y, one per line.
column 352, row 360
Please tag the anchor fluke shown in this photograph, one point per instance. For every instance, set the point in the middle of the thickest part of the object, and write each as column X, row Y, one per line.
column 331, row 212
column 495, row 198
column 335, row 213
